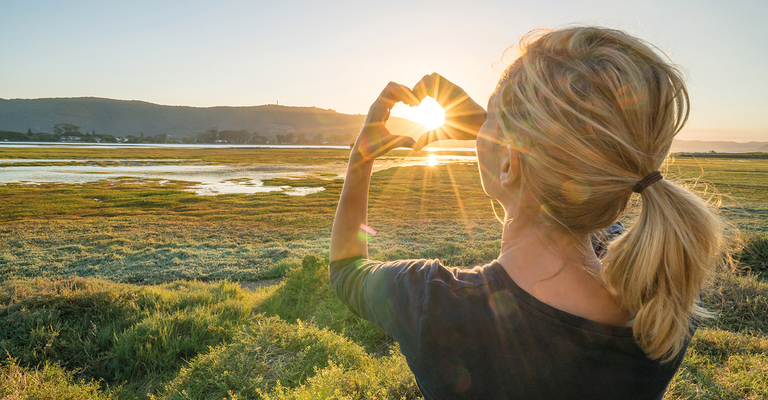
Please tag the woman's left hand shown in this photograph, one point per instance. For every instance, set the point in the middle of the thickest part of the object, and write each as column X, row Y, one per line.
column 375, row 139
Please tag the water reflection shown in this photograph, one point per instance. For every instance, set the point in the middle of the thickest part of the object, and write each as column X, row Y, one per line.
column 209, row 179
column 74, row 145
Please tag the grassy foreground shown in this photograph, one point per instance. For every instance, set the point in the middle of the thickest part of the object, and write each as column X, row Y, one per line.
column 195, row 340
column 110, row 299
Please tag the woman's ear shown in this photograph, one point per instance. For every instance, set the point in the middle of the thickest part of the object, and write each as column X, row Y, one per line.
column 510, row 166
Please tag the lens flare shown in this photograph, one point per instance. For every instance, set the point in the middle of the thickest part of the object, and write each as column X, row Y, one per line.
column 576, row 192
column 367, row 229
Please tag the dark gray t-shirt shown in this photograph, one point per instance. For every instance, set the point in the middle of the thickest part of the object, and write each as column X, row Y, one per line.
column 474, row 334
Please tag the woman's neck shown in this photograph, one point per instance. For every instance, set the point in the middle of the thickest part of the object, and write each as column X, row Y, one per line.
column 558, row 269
column 544, row 250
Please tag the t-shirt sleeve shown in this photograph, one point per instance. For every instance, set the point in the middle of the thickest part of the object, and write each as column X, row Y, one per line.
column 391, row 294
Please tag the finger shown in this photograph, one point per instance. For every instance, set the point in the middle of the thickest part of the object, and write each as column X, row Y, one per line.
column 420, row 88
column 430, row 137
column 391, row 142
column 391, row 95
column 423, row 140
column 401, row 93
column 395, row 92
column 440, row 89
column 396, row 141
column 377, row 146
column 426, row 86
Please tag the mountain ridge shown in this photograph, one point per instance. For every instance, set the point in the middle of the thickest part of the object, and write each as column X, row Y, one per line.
column 122, row 118
column 131, row 117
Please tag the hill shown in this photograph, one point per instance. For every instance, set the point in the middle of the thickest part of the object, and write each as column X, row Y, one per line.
column 122, row 118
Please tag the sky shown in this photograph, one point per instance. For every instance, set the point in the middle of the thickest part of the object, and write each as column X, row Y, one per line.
column 340, row 54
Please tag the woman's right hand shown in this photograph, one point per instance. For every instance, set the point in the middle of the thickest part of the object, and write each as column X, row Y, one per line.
column 463, row 116
column 375, row 139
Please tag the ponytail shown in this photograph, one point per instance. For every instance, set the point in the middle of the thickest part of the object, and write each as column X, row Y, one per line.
column 592, row 111
column 658, row 267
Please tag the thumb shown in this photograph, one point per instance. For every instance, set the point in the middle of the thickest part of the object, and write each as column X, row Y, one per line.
column 425, row 139
column 398, row 141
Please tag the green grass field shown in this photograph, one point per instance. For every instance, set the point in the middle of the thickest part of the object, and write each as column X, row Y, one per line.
column 123, row 289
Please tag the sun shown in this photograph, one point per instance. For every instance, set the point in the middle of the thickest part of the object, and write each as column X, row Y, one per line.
column 429, row 114
column 432, row 160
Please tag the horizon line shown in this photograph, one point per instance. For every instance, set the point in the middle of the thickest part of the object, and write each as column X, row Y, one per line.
column 689, row 129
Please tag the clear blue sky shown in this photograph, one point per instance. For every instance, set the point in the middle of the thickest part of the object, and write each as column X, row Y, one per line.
column 339, row 54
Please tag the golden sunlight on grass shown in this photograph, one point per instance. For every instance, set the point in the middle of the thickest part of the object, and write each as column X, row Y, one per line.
column 145, row 277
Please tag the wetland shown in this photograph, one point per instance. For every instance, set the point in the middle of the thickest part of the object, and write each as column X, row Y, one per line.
column 122, row 283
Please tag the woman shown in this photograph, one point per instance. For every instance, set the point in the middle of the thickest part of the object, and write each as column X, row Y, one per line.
column 584, row 118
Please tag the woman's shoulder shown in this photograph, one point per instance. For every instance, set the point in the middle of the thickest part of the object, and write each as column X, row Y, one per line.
column 463, row 278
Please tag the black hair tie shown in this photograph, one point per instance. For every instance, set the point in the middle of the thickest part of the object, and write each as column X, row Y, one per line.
column 649, row 180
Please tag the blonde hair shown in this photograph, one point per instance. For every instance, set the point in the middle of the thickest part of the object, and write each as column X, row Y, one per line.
column 592, row 111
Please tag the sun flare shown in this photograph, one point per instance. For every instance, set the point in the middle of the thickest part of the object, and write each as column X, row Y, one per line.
column 432, row 160
column 428, row 113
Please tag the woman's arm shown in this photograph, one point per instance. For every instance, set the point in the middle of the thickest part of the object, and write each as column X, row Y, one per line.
column 347, row 238
column 463, row 119
column 390, row 295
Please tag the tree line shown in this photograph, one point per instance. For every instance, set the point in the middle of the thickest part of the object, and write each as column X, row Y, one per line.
column 213, row 135
column 61, row 133
column 65, row 132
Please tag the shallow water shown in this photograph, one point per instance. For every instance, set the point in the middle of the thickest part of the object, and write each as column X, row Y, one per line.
column 212, row 179
column 75, row 145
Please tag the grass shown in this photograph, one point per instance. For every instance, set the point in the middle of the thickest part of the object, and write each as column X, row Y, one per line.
column 753, row 255
column 300, row 335
column 307, row 295
column 721, row 364
column 202, row 339
column 741, row 184
column 211, row 155
column 49, row 381
column 155, row 232
column 277, row 360
column 207, row 155
column 115, row 332
column 99, row 163
column 116, row 289
column 264, row 355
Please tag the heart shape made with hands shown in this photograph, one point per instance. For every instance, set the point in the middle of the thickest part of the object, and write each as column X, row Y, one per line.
column 429, row 114
column 444, row 107
column 446, row 112
column 415, row 121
